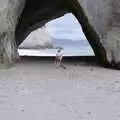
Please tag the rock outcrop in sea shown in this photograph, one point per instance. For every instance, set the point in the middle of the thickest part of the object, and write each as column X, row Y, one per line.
column 38, row 39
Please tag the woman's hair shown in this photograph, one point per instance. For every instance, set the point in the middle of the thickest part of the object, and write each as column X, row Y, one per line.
column 58, row 50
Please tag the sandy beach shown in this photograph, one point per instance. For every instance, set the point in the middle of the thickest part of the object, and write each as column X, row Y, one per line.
column 37, row 90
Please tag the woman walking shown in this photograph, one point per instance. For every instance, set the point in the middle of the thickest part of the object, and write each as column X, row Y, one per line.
column 58, row 58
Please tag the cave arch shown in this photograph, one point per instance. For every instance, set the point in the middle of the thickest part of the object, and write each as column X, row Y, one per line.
column 46, row 10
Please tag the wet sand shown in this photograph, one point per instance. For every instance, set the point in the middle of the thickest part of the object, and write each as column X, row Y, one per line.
column 36, row 90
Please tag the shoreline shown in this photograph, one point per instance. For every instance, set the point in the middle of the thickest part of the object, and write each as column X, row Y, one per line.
column 52, row 52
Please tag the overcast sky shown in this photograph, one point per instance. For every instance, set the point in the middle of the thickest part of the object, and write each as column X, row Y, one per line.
column 66, row 27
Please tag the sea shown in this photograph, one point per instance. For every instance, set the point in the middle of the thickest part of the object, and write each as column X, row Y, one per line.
column 70, row 48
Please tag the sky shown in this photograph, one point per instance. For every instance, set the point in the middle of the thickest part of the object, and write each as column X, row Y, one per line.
column 66, row 27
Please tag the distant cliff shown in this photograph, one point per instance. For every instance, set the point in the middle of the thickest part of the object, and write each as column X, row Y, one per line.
column 38, row 39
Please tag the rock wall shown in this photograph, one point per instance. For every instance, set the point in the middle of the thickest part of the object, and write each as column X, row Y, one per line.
column 10, row 11
column 102, row 19
column 104, row 16
column 99, row 15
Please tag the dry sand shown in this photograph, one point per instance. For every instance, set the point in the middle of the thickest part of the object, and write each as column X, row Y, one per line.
column 37, row 90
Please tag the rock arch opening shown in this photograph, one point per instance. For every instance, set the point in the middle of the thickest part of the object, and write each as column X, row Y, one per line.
column 64, row 32
column 45, row 11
